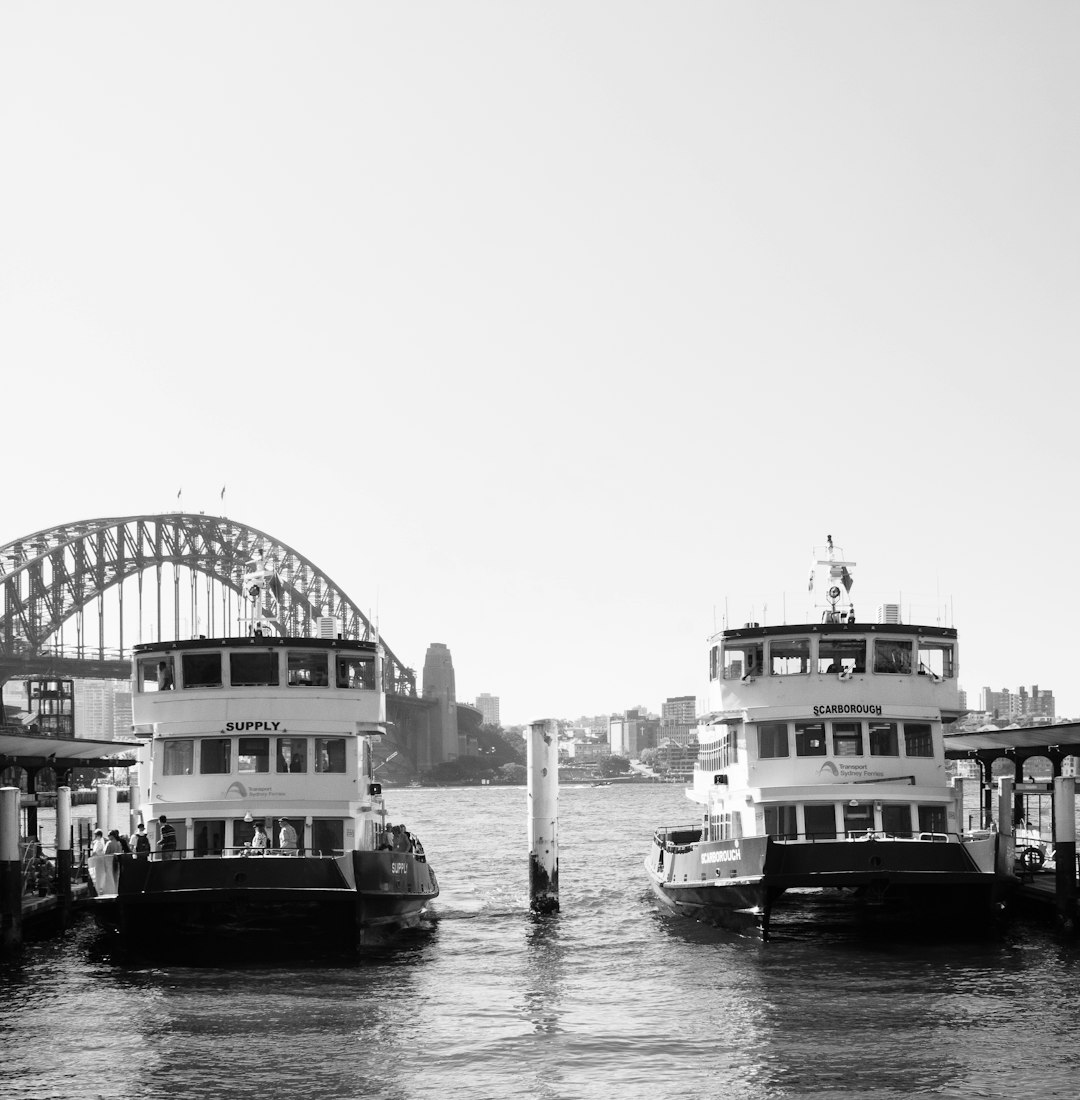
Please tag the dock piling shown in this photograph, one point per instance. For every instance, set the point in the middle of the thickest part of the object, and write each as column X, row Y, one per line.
column 1065, row 849
column 63, row 853
column 543, row 797
column 10, row 870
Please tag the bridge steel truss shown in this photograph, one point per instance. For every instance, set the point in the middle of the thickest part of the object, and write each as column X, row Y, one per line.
column 52, row 576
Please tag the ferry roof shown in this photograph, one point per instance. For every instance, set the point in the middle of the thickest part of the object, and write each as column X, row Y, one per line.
column 752, row 630
column 263, row 640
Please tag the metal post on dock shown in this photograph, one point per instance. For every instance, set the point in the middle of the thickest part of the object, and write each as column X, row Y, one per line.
column 114, row 820
column 1006, row 826
column 1065, row 848
column 10, row 870
column 63, row 852
column 958, row 795
column 103, row 809
column 543, row 795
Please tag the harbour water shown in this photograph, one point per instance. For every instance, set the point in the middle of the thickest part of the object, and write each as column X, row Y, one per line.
column 609, row 997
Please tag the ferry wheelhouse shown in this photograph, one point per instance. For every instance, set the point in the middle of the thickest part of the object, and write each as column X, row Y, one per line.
column 821, row 770
column 256, row 767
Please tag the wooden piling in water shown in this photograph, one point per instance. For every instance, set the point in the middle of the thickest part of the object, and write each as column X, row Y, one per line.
column 1065, row 849
column 543, row 797
column 63, row 853
column 10, row 870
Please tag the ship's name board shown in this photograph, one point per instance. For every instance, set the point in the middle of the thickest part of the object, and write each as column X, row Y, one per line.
column 847, row 708
column 244, row 727
column 723, row 855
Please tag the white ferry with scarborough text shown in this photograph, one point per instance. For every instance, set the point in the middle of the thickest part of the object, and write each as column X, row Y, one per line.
column 821, row 776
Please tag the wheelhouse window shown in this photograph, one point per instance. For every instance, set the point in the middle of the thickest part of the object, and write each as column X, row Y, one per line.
column 329, row 754
column 883, row 740
column 847, row 738
column 209, row 837
column 178, row 756
column 896, row 819
column 892, row 657
column 839, row 653
column 918, row 739
column 356, row 672
column 214, row 755
column 810, row 739
column 772, row 740
column 781, row 821
column 936, row 659
column 292, row 754
column 253, row 668
column 307, row 669
column 742, row 659
column 933, row 819
column 201, row 669
column 789, row 656
column 858, row 819
column 820, row 821
column 327, row 836
column 156, row 673
column 253, row 754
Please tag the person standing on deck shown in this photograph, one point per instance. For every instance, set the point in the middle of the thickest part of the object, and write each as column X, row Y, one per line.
column 287, row 838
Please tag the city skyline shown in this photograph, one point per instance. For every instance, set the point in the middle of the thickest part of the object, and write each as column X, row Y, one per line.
column 564, row 336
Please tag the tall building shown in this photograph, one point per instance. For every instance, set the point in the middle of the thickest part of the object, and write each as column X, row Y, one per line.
column 439, row 685
column 103, row 709
column 631, row 732
column 1022, row 703
column 678, row 719
column 488, row 706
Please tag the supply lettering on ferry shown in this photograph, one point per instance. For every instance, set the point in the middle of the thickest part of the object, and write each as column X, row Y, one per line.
column 243, row 727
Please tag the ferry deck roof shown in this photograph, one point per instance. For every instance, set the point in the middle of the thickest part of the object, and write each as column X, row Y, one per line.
column 1061, row 739
column 32, row 750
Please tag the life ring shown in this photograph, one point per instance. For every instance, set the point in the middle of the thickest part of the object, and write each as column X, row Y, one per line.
column 1032, row 858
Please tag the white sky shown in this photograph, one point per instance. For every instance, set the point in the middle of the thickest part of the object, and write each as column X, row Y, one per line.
column 550, row 331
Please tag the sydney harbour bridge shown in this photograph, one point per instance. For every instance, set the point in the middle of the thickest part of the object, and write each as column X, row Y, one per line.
column 76, row 597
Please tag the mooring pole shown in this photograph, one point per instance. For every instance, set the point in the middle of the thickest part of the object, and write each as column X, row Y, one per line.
column 543, row 794
column 103, row 810
column 10, row 870
column 63, row 853
column 1065, row 848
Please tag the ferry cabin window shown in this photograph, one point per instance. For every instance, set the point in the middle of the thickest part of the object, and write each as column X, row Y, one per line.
column 156, row 673
column 820, row 821
column 356, row 672
column 178, row 756
column 933, row 819
column 209, row 837
column 772, row 740
column 896, row 819
column 327, row 837
column 781, row 821
column 329, row 754
column 847, row 738
column 918, row 740
column 714, row 663
column 789, row 657
column 743, row 659
column 292, row 754
column 253, row 754
column 883, row 740
column 243, row 830
column 254, row 668
column 810, row 739
column 722, row 826
column 838, row 654
column 308, row 669
column 201, row 670
column 936, row 659
column 214, row 756
column 858, row 819
column 892, row 657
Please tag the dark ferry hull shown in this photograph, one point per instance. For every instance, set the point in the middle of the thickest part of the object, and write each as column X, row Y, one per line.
column 342, row 902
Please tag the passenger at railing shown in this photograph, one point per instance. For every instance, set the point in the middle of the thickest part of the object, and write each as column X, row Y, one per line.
column 140, row 843
column 286, row 838
column 401, row 839
column 260, row 841
column 386, row 843
column 166, row 838
column 164, row 676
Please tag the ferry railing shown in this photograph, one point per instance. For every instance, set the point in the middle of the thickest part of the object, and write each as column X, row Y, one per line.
column 682, row 838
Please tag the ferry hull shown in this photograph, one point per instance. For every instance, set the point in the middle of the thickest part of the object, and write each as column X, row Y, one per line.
column 341, row 902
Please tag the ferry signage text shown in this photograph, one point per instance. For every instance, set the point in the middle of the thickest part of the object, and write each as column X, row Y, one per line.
column 244, row 727
column 847, row 708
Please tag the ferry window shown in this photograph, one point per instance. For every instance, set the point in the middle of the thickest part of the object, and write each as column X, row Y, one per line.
column 356, row 672
column 201, row 669
column 789, row 657
column 209, row 837
column 892, row 657
column 896, row 819
column 936, row 659
column 809, row 738
column 883, row 740
column 847, row 738
column 292, row 754
column 772, row 740
column 243, row 830
column 327, row 836
column 253, row 754
column 214, row 756
column 249, row 668
column 156, row 673
column 820, row 821
column 838, row 654
column 933, row 819
column 917, row 739
column 308, row 669
column 780, row 821
column 714, row 663
column 329, row 754
column 179, row 756
column 858, row 819
column 743, row 659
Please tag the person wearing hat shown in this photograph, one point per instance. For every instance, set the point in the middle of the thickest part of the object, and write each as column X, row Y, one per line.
column 286, row 837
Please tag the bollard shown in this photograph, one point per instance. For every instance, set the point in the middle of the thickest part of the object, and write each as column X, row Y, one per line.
column 10, row 870
column 543, row 798
column 1065, row 848
column 63, row 853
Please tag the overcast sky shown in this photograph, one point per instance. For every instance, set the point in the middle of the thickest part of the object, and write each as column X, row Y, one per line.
column 558, row 332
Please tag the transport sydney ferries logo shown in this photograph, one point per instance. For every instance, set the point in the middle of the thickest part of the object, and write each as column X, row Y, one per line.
column 237, row 790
